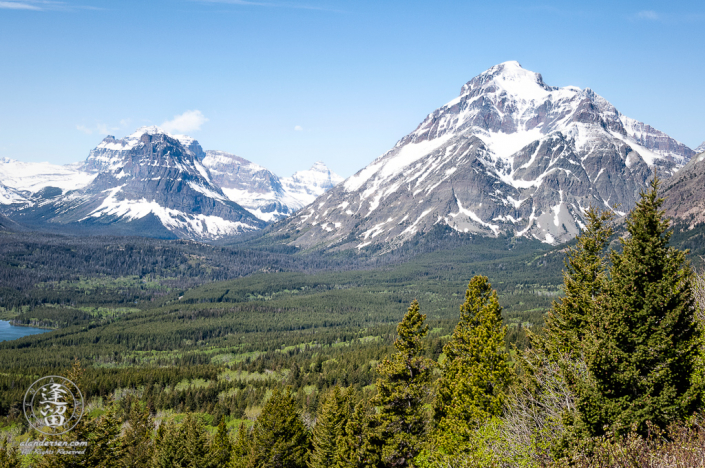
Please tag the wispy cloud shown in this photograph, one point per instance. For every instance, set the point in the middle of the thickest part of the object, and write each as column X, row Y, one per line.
column 298, row 128
column 103, row 129
column 42, row 5
column 650, row 15
column 18, row 6
column 268, row 4
column 189, row 121
column 668, row 18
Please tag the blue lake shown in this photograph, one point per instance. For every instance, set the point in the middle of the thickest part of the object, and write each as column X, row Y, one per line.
column 9, row 332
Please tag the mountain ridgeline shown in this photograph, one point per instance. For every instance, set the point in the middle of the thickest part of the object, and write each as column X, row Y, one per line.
column 510, row 156
column 154, row 184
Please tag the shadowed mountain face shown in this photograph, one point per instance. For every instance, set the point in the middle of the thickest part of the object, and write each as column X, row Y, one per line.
column 685, row 193
column 509, row 155
column 148, row 183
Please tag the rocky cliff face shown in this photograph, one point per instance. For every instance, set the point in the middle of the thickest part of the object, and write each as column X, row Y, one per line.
column 150, row 177
column 685, row 192
column 509, row 155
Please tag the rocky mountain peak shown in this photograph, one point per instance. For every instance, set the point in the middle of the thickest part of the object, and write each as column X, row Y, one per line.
column 137, row 138
column 701, row 148
column 511, row 154
column 508, row 77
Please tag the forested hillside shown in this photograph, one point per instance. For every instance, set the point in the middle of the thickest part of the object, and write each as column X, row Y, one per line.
column 187, row 336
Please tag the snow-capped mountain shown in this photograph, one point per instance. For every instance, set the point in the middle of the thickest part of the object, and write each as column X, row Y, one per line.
column 306, row 186
column 148, row 183
column 9, row 195
column 30, row 177
column 510, row 154
column 262, row 192
column 701, row 148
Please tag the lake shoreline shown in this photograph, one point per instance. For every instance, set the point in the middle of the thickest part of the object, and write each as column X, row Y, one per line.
column 13, row 324
column 11, row 332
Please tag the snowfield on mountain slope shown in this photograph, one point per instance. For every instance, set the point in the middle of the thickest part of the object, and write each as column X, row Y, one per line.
column 32, row 177
column 509, row 155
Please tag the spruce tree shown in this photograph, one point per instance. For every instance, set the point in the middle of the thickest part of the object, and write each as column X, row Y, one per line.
column 583, row 280
column 279, row 438
column 402, row 391
column 475, row 374
column 105, row 446
column 242, row 448
column 165, row 446
column 137, row 438
column 192, row 450
column 360, row 445
column 221, row 447
column 333, row 415
column 643, row 344
column 9, row 456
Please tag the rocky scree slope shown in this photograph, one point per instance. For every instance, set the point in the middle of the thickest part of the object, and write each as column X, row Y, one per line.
column 510, row 155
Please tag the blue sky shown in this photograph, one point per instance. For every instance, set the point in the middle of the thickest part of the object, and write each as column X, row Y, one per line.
column 287, row 83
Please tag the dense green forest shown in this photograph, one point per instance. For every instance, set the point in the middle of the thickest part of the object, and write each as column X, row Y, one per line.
column 187, row 336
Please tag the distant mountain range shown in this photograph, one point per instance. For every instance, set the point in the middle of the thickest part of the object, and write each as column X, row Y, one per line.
column 510, row 155
column 155, row 184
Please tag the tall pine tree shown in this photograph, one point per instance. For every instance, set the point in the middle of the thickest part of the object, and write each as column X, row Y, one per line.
column 360, row 445
column 403, row 389
column 137, row 437
column 220, row 450
column 242, row 448
column 333, row 415
column 475, row 374
column 643, row 343
column 583, row 280
column 279, row 438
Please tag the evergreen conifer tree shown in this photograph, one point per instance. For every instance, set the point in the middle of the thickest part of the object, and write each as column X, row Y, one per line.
column 242, row 448
column 475, row 374
column 583, row 280
column 402, row 391
column 105, row 445
column 165, row 446
column 279, row 438
column 333, row 415
column 137, row 439
column 192, row 450
column 360, row 445
column 9, row 456
column 220, row 449
column 643, row 344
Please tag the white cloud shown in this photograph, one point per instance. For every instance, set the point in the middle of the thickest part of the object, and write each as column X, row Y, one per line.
column 101, row 128
column 18, row 6
column 648, row 15
column 298, row 128
column 189, row 121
